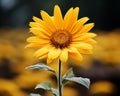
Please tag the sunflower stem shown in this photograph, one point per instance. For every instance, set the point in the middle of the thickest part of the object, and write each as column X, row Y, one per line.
column 60, row 78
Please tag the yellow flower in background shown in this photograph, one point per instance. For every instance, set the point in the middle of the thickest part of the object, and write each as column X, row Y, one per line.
column 10, row 88
column 102, row 87
column 68, row 91
column 59, row 38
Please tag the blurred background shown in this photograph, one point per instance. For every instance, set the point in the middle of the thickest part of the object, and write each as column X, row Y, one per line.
column 103, row 67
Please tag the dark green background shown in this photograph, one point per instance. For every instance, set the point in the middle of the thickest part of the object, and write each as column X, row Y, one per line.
column 17, row 13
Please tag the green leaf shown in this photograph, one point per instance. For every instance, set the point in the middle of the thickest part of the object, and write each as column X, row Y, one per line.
column 47, row 86
column 68, row 74
column 54, row 91
column 40, row 66
column 83, row 81
column 33, row 94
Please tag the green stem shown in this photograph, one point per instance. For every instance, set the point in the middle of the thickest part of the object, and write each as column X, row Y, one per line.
column 60, row 78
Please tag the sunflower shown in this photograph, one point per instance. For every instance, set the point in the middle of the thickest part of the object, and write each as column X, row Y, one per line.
column 56, row 37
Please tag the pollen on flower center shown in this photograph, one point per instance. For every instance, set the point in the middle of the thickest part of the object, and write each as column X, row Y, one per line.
column 61, row 39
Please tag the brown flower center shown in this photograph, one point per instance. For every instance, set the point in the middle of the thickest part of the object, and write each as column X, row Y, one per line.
column 61, row 39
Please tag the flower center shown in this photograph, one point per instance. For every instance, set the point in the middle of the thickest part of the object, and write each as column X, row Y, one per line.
column 61, row 39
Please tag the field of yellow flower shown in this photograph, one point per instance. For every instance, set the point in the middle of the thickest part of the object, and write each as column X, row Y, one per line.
column 103, row 67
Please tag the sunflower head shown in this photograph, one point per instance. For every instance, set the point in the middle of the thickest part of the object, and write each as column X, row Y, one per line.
column 57, row 37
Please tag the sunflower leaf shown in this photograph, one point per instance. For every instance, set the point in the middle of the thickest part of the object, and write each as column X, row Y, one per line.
column 34, row 94
column 47, row 86
column 54, row 92
column 83, row 81
column 68, row 74
column 40, row 66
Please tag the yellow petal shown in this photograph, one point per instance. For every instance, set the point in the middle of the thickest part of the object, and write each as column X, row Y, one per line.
column 41, row 33
column 86, row 28
column 64, row 55
column 74, row 53
column 53, row 54
column 73, row 18
column 40, row 24
column 83, row 36
column 42, row 51
column 81, row 45
column 49, row 60
column 36, row 19
column 75, row 14
column 35, row 39
column 34, row 45
column 78, row 25
column 90, row 41
column 34, row 24
column 85, row 51
column 58, row 19
column 43, row 56
column 67, row 23
column 40, row 27
column 47, row 19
